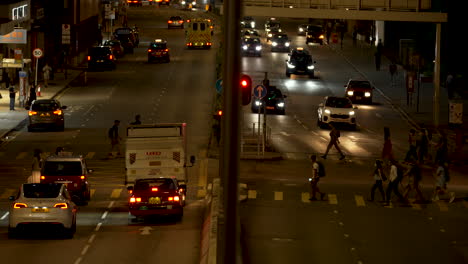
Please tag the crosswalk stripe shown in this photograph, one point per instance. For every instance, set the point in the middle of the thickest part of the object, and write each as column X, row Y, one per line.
column 90, row 155
column 332, row 199
column 359, row 200
column 278, row 196
column 22, row 155
column 116, row 193
column 415, row 206
column 252, row 194
column 92, row 192
column 7, row 193
column 442, row 206
column 305, row 197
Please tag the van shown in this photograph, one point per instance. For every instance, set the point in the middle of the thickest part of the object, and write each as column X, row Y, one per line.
column 198, row 33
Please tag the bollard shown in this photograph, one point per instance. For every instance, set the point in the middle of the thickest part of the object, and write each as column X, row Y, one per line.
column 38, row 93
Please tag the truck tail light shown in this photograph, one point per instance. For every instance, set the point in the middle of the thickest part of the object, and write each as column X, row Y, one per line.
column 176, row 198
column 20, row 205
column 61, row 205
column 135, row 199
column 42, row 177
column 58, row 112
column 154, row 189
column 170, row 198
column 83, row 177
column 31, row 113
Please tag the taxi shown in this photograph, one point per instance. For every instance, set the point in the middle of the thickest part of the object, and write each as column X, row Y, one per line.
column 158, row 51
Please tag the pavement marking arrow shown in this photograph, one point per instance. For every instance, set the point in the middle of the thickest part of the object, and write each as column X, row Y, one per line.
column 145, row 230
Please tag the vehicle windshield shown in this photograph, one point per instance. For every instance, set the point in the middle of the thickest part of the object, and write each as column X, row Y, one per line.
column 301, row 58
column 252, row 41
column 359, row 84
column 161, row 184
column 45, row 106
column 281, row 37
column 101, row 51
column 62, row 168
column 157, row 45
column 314, row 29
column 176, row 18
column 339, row 102
column 273, row 94
column 34, row 190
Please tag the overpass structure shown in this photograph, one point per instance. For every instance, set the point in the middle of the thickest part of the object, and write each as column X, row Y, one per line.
column 374, row 10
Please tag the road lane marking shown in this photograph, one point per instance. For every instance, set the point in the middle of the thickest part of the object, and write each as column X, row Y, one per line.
column 7, row 193
column 110, row 205
column 116, row 193
column 359, row 200
column 4, row 216
column 90, row 155
column 104, row 215
column 278, row 196
column 252, row 194
column 92, row 192
column 442, row 206
column 91, row 239
column 85, row 249
column 98, row 226
column 332, row 199
column 77, row 261
column 22, row 155
column 305, row 196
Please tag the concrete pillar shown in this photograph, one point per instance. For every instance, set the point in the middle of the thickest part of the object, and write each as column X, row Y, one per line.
column 437, row 76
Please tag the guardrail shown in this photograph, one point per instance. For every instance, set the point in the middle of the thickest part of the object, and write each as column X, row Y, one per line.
column 383, row 5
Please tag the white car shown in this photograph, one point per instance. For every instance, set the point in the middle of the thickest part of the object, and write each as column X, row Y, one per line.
column 336, row 110
column 37, row 204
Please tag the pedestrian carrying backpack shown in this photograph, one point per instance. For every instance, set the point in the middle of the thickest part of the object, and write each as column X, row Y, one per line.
column 321, row 170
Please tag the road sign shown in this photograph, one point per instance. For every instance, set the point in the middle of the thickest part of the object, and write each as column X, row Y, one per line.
column 259, row 91
column 37, row 53
column 219, row 85
column 66, row 34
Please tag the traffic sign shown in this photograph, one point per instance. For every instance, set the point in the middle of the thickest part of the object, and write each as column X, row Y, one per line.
column 259, row 91
column 219, row 85
column 37, row 53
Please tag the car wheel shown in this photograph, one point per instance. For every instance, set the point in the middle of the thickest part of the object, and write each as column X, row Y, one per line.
column 179, row 217
column 30, row 129
column 311, row 75
column 61, row 128
column 288, row 74
column 282, row 112
column 168, row 60
column 70, row 232
column 369, row 101
column 12, row 233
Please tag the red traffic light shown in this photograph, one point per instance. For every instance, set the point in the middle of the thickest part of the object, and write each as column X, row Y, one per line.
column 246, row 89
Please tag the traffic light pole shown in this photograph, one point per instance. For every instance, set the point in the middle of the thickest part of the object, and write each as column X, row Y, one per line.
column 229, row 235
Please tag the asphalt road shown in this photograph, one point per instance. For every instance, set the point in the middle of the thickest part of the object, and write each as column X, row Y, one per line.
column 280, row 224
column 179, row 91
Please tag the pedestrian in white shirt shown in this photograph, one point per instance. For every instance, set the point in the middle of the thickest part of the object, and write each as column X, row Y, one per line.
column 394, row 180
column 46, row 70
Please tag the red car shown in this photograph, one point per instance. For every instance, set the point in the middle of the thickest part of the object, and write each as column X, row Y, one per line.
column 359, row 91
column 156, row 196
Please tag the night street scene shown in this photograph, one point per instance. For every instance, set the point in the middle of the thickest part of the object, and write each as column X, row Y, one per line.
column 218, row 131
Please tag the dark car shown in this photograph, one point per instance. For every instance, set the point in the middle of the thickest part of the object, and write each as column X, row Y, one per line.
column 250, row 33
column 300, row 62
column 125, row 35
column 46, row 113
column 272, row 32
column 302, row 29
column 101, row 58
column 158, row 51
column 248, row 22
column 274, row 102
column 359, row 91
column 175, row 22
column 156, row 196
column 116, row 47
column 251, row 46
column 315, row 34
column 280, row 42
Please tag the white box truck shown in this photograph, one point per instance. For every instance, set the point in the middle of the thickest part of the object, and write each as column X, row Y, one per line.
column 156, row 150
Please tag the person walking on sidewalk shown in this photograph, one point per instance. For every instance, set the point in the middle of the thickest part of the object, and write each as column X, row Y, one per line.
column 412, row 151
column 46, row 70
column 394, row 180
column 12, row 97
column 414, row 177
column 115, row 138
column 379, row 178
column 316, row 172
column 137, row 120
column 334, row 141
column 441, row 147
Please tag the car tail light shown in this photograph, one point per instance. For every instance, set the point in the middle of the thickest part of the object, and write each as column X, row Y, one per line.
column 149, row 50
column 176, row 198
column 169, row 21
column 135, row 199
column 111, row 57
column 58, row 112
column 188, row 20
column 31, row 113
column 170, row 198
column 321, row 37
column 42, row 177
column 20, row 205
column 181, row 21
column 166, row 50
column 189, row 44
column 181, row 190
column 61, row 205
column 154, row 189
column 83, row 177
column 89, row 57
column 211, row 27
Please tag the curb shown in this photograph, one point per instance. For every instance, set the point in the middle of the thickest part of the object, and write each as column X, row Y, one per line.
column 60, row 91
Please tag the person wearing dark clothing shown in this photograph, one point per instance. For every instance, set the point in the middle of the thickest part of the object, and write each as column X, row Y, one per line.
column 441, row 155
column 114, row 138
column 137, row 120
column 32, row 95
column 423, row 145
column 314, row 180
column 12, row 97
column 334, row 141
column 379, row 178
column 412, row 140
column 449, row 85
column 414, row 176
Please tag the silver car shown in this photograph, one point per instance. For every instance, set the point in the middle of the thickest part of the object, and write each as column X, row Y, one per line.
column 46, row 113
column 37, row 204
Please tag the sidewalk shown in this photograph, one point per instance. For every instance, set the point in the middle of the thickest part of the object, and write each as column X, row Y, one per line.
column 361, row 56
column 9, row 120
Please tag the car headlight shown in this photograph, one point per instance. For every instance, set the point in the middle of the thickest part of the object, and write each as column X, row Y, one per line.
column 258, row 48
column 351, row 113
column 367, row 94
column 281, row 104
column 244, row 47
column 327, row 111
column 279, row 30
column 310, row 67
column 252, row 24
column 270, row 35
column 183, row 2
column 274, row 44
column 291, row 66
column 194, row 3
column 301, row 30
column 287, row 44
column 350, row 93
column 258, row 103
column 321, row 37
